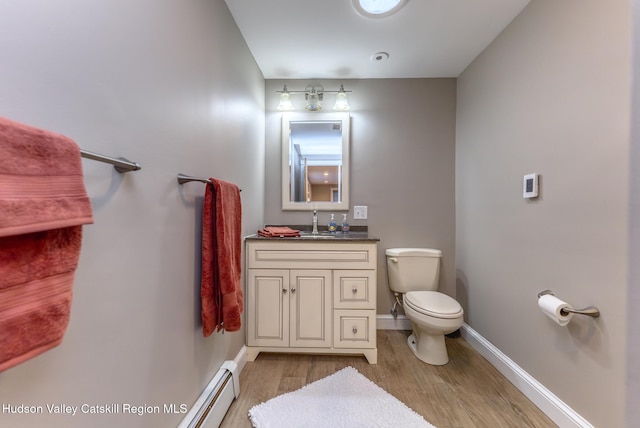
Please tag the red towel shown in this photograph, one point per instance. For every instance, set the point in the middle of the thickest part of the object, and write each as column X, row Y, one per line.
column 221, row 289
column 41, row 183
column 36, row 280
column 278, row 232
column 43, row 204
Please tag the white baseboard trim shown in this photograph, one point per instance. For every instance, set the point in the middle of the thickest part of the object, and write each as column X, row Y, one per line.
column 552, row 406
column 241, row 359
column 388, row 322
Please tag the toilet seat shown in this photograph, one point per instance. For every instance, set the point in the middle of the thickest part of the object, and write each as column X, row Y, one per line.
column 433, row 304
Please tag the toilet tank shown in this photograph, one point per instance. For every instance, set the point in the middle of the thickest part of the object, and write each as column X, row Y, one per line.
column 413, row 269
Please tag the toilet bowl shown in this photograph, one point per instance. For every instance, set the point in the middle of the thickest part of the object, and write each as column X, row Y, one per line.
column 414, row 274
column 432, row 315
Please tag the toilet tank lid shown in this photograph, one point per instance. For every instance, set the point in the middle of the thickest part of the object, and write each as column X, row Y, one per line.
column 413, row 252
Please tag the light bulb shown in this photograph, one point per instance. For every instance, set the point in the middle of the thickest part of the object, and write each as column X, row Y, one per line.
column 342, row 103
column 313, row 102
column 285, row 102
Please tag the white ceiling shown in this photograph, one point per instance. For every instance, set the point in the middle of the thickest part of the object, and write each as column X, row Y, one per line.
column 305, row 39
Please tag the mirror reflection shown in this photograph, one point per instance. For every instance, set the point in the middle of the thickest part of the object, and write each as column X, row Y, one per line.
column 315, row 161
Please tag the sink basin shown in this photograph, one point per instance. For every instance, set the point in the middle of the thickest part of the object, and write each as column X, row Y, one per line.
column 318, row 236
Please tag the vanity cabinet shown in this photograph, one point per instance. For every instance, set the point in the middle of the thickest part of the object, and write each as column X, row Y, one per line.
column 290, row 307
column 305, row 296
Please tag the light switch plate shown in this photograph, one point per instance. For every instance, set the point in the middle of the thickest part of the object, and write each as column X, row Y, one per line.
column 360, row 212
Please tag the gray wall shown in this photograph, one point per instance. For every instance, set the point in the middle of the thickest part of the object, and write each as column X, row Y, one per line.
column 172, row 86
column 633, row 299
column 551, row 96
column 402, row 165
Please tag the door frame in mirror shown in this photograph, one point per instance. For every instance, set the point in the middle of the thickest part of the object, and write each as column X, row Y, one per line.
column 287, row 204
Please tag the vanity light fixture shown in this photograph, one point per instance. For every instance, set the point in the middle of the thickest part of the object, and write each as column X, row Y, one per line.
column 342, row 103
column 313, row 98
column 285, row 100
column 313, row 95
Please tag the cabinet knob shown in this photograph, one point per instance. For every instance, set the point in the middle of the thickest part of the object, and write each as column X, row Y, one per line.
column 293, row 290
column 355, row 290
column 284, row 291
column 355, row 330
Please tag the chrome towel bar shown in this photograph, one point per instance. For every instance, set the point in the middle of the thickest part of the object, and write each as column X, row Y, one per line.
column 121, row 164
column 182, row 178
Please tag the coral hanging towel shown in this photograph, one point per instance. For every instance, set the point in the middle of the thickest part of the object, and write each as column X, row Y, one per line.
column 43, row 204
column 221, row 289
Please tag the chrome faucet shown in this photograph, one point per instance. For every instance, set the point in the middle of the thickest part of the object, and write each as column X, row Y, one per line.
column 315, row 223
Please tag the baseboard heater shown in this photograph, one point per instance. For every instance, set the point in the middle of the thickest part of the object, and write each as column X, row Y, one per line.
column 210, row 408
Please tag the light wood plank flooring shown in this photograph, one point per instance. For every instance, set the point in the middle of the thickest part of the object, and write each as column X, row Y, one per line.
column 467, row 392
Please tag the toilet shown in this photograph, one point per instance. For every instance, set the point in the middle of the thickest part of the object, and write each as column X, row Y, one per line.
column 414, row 274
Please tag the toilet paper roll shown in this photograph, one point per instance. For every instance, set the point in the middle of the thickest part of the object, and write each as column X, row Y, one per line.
column 552, row 307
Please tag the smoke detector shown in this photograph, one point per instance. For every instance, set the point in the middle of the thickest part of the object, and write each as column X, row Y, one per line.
column 379, row 57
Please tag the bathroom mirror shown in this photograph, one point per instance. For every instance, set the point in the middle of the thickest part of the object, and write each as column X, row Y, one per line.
column 315, row 161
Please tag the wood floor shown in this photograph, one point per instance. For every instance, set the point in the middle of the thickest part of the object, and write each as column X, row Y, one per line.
column 467, row 392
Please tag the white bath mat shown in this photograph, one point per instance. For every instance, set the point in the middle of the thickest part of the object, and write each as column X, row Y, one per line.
column 344, row 399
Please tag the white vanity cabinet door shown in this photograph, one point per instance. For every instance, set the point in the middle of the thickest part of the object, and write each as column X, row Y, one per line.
column 310, row 308
column 289, row 308
column 268, row 307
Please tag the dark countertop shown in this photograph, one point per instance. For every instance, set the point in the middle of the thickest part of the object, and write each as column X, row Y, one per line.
column 356, row 233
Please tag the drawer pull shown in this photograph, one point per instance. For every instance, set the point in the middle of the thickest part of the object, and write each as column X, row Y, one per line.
column 355, row 330
column 355, row 290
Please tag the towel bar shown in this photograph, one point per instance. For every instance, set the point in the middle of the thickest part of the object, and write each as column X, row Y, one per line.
column 182, row 178
column 121, row 164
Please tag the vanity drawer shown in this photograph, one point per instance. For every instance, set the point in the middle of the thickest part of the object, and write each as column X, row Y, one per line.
column 311, row 255
column 354, row 289
column 354, row 328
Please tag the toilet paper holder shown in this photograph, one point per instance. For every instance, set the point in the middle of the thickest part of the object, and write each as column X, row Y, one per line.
column 591, row 311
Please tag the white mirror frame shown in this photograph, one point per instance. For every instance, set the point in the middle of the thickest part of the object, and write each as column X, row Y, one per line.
column 287, row 204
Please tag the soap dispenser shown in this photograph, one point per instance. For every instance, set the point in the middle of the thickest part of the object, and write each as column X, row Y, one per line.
column 333, row 226
column 345, row 224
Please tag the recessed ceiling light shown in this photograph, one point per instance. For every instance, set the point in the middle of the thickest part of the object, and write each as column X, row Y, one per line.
column 379, row 57
column 378, row 8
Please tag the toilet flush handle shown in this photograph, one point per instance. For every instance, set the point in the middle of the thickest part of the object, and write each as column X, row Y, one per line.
column 393, row 259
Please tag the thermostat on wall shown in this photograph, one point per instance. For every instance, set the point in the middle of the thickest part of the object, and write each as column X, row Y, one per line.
column 530, row 186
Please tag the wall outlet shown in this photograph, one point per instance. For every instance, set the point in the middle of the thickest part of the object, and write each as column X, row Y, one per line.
column 360, row 213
